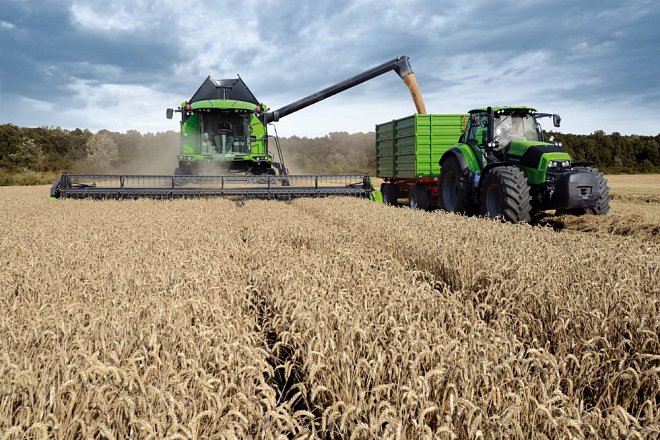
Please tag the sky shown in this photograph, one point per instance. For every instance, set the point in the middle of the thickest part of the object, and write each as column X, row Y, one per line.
column 118, row 65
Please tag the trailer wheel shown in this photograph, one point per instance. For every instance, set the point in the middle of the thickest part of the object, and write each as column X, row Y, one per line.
column 418, row 198
column 390, row 193
column 505, row 194
column 453, row 194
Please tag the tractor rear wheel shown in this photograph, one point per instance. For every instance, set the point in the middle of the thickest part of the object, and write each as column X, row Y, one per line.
column 390, row 193
column 418, row 197
column 505, row 194
column 453, row 195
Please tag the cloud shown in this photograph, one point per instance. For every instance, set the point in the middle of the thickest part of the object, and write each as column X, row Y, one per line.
column 118, row 20
column 557, row 55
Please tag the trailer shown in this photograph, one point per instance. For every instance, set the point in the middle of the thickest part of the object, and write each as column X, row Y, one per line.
column 408, row 152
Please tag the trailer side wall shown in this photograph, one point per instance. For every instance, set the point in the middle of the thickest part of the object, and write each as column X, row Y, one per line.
column 411, row 147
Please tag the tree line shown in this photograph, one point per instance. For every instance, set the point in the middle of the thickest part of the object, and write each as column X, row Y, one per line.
column 42, row 152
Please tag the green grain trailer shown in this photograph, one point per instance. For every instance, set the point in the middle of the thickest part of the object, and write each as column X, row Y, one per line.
column 408, row 153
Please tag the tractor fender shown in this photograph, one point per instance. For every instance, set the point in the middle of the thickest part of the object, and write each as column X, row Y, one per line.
column 467, row 161
column 458, row 154
column 490, row 166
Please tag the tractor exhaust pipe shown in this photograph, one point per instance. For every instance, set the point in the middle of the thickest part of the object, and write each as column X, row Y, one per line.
column 401, row 65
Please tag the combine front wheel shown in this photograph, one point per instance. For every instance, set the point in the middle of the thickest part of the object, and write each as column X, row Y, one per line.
column 505, row 194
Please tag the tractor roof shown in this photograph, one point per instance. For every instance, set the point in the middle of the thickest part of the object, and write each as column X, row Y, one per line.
column 229, row 89
column 505, row 109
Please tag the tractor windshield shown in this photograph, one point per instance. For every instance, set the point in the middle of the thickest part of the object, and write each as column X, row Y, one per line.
column 225, row 132
column 515, row 127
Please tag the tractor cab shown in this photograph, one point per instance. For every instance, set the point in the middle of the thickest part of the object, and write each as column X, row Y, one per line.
column 515, row 125
column 512, row 134
column 499, row 130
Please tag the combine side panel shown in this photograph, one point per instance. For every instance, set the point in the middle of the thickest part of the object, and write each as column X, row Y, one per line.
column 236, row 187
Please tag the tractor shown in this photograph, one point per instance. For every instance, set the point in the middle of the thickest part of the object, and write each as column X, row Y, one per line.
column 503, row 167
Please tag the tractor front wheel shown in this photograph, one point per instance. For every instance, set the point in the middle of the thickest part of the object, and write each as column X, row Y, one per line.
column 505, row 194
column 603, row 205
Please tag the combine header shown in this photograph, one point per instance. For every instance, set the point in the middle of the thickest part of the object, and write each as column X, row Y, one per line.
column 77, row 186
column 224, row 133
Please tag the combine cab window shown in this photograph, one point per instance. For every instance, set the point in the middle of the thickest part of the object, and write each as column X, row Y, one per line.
column 516, row 127
column 225, row 133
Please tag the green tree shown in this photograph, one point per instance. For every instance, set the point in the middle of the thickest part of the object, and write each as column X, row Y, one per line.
column 102, row 151
column 27, row 155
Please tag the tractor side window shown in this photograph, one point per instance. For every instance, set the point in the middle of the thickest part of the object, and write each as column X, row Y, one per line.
column 477, row 135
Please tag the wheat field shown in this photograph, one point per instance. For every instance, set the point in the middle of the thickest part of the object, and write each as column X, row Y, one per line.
column 335, row 318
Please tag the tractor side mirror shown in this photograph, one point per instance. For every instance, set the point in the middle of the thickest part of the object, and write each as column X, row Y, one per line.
column 484, row 122
column 556, row 120
column 169, row 113
column 253, row 138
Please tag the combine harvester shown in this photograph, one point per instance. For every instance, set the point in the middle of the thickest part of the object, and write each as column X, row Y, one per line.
column 224, row 133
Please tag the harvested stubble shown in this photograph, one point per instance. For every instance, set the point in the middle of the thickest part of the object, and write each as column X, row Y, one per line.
column 320, row 318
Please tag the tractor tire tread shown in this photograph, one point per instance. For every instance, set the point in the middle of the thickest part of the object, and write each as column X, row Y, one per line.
column 515, row 193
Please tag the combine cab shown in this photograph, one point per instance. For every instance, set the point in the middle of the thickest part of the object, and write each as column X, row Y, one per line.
column 225, row 149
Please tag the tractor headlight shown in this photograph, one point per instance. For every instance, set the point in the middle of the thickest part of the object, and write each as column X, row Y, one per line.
column 559, row 164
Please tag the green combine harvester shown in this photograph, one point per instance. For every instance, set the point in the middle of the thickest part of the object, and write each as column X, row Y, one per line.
column 226, row 149
column 494, row 162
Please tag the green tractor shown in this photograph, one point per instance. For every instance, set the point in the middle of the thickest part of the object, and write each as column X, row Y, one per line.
column 503, row 167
